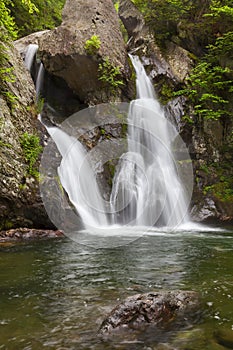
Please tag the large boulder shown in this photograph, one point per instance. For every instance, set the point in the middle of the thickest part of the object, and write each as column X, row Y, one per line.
column 158, row 309
column 64, row 52
column 20, row 202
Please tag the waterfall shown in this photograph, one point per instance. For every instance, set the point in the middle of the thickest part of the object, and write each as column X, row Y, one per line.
column 39, row 70
column 146, row 184
column 39, row 80
column 30, row 56
column 146, row 189
column 78, row 179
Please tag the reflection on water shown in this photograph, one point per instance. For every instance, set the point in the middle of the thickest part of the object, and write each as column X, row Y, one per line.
column 55, row 294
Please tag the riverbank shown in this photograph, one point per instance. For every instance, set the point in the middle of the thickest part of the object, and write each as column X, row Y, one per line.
column 20, row 234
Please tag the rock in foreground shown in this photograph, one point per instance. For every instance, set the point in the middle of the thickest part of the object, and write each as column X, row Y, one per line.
column 160, row 309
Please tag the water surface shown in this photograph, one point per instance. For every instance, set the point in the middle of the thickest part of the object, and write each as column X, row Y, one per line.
column 54, row 294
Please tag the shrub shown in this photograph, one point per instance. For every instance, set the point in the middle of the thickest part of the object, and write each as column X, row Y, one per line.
column 31, row 148
column 92, row 45
column 110, row 74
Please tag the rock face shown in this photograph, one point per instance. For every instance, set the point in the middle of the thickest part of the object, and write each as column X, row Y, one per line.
column 17, row 235
column 156, row 308
column 20, row 203
column 63, row 51
column 209, row 142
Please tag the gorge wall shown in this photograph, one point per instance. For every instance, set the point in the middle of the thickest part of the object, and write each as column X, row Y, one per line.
column 73, row 70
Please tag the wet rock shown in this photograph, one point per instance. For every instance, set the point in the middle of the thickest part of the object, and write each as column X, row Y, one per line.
column 179, row 61
column 159, row 309
column 205, row 210
column 132, row 20
column 22, row 44
column 20, row 202
column 27, row 234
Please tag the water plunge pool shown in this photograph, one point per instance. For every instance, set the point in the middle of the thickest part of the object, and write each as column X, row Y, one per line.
column 54, row 294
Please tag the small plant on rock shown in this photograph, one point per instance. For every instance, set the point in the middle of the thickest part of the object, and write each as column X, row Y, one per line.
column 92, row 45
column 110, row 74
column 31, row 148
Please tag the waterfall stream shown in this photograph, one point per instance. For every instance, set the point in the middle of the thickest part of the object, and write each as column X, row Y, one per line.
column 146, row 180
column 146, row 188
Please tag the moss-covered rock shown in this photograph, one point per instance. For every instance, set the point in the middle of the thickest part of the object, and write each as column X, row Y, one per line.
column 20, row 203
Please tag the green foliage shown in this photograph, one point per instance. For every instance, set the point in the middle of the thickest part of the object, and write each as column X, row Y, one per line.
column 162, row 16
column 209, row 86
column 31, row 148
column 31, row 16
column 110, row 75
column 92, row 45
column 7, row 33
column 196, row 19
column 222, row 190
column 7, row 24
column 116, row 5
column 166, row 92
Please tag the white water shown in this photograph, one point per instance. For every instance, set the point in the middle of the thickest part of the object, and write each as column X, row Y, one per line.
column 146, row 189
column 28, row 61
column 146, row 180
column 78, row 179
column 30, row 56
column 39, row 80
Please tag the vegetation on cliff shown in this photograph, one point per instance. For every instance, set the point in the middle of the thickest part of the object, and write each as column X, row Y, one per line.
column 204, row 29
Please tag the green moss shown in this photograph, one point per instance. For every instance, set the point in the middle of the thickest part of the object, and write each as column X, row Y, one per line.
column 186, row 118
column 8, row 224
column 111, row 166
column 223, row 190
column 166, row 93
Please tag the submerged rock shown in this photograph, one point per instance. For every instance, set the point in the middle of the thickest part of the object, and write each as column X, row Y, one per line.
column 159, row 309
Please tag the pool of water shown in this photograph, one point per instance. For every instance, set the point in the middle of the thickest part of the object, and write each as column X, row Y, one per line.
column 54, row 294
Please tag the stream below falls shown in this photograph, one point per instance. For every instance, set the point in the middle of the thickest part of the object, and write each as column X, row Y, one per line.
column 54, row 294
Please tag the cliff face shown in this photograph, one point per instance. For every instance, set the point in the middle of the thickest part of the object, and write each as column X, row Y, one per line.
column 74, row 67
column 209, row 141
column 89, row 38
column 20, row 203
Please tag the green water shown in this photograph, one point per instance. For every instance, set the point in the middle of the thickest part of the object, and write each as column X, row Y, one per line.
column 54, row 294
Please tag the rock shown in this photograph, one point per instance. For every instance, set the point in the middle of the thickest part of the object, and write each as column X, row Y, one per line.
column 205, row 210
column 20, row 202
column 27, row 234
column 63, row 52
column 167, row 69
column 224, row 337
column 22, row 44
column 179, row 61
column 132, row 20
column 159, row 309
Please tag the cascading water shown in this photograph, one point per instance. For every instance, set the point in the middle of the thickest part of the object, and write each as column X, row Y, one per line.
column 29, row 61
column 30, row 56
column 39, row 80
column 146, row 184
column 146, row 189
column 78, row 179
